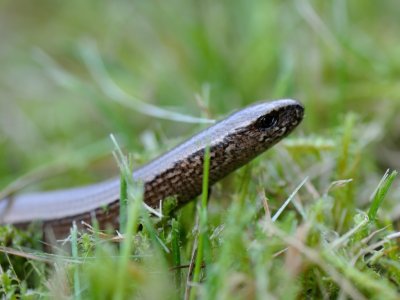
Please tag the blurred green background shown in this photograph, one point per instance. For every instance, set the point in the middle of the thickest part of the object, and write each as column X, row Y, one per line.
column 73, row 72
column 200, row 58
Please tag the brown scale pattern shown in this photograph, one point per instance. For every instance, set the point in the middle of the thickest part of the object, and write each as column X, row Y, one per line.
column 184, row 179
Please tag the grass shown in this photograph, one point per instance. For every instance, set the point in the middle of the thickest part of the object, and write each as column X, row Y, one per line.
column 153, row 73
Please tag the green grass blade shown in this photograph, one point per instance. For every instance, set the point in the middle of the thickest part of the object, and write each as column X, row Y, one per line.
column 202, row 223
column 381, row 194
column 75, row 255
column 176, row 253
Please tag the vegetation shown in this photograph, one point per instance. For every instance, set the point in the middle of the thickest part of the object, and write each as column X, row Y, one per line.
column 314, row 217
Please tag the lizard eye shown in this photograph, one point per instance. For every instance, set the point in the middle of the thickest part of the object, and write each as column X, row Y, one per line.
column 267, row 121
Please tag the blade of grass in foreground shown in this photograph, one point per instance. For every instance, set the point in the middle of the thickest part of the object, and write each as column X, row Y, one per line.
column 133, row 193
column 176, row 254
column 381, row 193
column 74, row 246
column 281, row 209
column 123, row 204
column 123, row 199
column 202, row 223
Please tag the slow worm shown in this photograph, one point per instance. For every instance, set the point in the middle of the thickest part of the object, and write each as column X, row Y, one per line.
column 233, row 142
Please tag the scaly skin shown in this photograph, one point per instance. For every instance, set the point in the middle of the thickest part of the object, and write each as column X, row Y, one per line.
column 233, row 142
